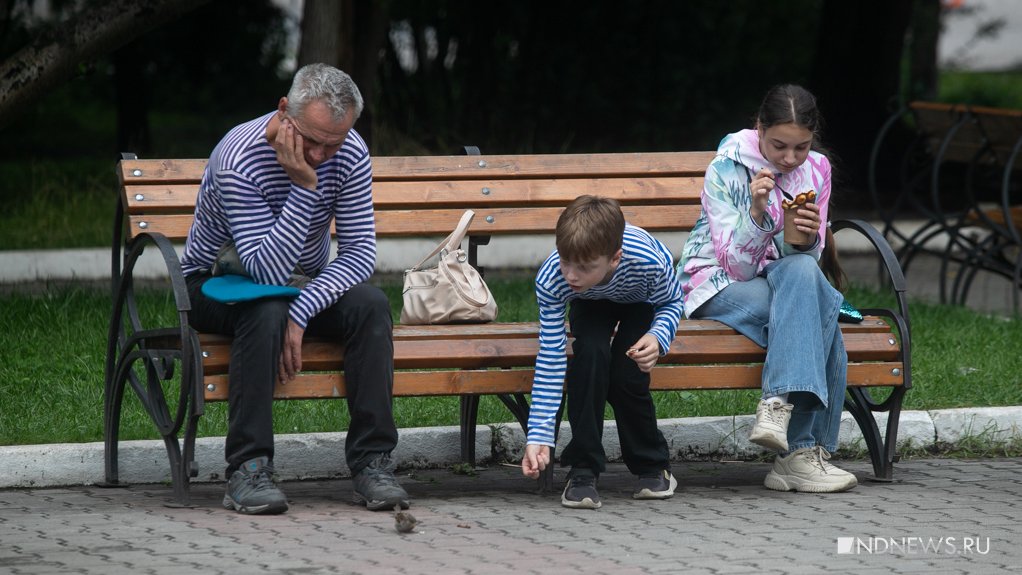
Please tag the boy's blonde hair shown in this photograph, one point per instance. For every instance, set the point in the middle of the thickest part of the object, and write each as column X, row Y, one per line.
column 590, row 227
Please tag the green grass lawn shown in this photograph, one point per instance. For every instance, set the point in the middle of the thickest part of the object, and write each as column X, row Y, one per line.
column 57, row 204
column 54, row 346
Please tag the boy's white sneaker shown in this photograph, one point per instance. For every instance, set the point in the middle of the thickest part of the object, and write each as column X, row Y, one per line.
column 809, row 471
column 771, row 428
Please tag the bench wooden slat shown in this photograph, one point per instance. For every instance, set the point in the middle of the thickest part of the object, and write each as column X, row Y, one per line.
column 987, row 130
column 530, row 329
column 470, row 353
column 311, row 385
column 997, row 217
column 174, row 226
column 181, row 198
column 540, row 192
column 1001, row 128
column 525, row 329
column 540, row 165
column 419, row 223
column 695, row 377
column 722, row 377
column 168, row 171
column 397, row 168
column 161, row 198
column 935, row 122
column 688, row 327
column 498, row 221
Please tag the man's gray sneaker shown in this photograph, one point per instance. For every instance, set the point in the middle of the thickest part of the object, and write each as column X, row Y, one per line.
column 377, row 488
column 250, row 489
column 659, row 485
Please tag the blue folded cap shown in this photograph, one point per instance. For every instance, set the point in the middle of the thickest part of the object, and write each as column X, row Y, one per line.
column 231, row 288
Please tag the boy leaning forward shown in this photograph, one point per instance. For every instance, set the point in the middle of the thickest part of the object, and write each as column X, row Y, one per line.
column 625, row 304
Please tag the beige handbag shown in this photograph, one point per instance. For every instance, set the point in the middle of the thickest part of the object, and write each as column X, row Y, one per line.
column 452, row 292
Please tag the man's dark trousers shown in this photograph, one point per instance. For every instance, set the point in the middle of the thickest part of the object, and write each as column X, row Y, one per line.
column 360, row 320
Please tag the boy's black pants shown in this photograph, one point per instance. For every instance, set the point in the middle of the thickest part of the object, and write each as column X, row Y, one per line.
column 599, row 373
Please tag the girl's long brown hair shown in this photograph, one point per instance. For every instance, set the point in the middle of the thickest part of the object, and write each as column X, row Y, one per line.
column 829, row 262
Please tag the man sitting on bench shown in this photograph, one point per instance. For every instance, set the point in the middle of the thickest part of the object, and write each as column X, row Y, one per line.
column 271, row 189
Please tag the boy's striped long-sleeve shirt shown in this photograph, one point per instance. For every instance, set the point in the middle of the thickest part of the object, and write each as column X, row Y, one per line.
column 246, row 195
column 646, row 274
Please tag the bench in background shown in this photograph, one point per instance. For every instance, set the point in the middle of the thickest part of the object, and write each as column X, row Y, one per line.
column 425, row 197
column 958, row 173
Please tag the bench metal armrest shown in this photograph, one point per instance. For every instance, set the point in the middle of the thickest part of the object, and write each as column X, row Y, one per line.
column 886, row 253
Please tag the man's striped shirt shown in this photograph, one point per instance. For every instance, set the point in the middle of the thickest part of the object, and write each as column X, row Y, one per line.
column 646, row 274
column 246, row 195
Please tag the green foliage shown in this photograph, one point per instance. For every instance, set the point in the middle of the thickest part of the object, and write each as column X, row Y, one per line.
column 178, row 87
column 994, row 89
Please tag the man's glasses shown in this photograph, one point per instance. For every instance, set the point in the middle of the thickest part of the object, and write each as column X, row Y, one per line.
column 311, row 141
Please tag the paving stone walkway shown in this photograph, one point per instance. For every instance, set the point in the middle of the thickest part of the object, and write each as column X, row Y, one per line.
column 940, row 516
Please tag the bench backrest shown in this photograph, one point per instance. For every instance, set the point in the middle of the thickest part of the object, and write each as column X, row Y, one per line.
column 981, row 134
column 423, row 196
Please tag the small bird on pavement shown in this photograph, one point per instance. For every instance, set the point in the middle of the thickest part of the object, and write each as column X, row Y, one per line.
column 404, row 521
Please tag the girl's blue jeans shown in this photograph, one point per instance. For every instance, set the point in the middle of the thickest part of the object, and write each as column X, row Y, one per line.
column 791, row 310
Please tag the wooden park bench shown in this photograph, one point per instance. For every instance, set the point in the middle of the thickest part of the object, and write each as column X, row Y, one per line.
column 424, row 197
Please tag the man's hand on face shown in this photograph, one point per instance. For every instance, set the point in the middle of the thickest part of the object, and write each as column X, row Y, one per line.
column 290, row 150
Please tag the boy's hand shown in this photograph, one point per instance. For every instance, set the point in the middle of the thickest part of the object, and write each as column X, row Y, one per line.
column 536, row 458
column 645, row 352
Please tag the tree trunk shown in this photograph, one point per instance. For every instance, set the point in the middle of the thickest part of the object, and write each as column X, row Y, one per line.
column 132, row 94
column 370, row 19
column 857, row 74
column 347, row 34
column 53, row 57
column 322, row 23
column 924, row 75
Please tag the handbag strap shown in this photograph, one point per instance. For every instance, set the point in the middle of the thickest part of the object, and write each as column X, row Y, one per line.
column 451, row 242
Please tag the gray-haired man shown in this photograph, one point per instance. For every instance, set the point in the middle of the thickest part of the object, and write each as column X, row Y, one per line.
column 273, row 186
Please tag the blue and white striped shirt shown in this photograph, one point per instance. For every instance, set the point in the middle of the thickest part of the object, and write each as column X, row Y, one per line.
column 646, row 274
column 246, row 195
